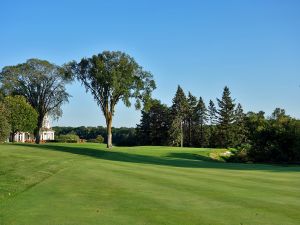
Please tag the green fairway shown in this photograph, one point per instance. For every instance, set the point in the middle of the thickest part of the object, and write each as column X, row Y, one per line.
column 87, row 184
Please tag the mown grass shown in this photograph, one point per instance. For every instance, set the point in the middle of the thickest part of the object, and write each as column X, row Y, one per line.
column 87, row 184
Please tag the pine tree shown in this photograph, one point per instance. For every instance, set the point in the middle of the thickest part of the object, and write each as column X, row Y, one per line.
column 212, row 114
column 240, row 130
column 178, row 113
column 212, row 111
column 144, row 128
column 191, row 118
column 154, row 126
column 202, row 117
column 226, row 117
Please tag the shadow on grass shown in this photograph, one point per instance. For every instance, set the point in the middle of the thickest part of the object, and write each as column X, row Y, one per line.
column 187, row 160
column 191, row 156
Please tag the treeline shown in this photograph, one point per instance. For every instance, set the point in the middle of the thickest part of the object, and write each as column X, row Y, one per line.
column 122, row 136
column 189, row 122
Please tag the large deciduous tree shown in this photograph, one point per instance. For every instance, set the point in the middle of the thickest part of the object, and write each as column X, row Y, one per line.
column 276, row 139
column 4, row 125
column 111, row 77
column 21, row 116
column 41, row 83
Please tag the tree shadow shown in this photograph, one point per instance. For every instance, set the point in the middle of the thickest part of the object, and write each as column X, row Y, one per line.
column 191, row 156
column 185, row 160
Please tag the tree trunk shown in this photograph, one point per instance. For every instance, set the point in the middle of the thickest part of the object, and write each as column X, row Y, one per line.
column 201, row 135
column 190, row 132
column 109, row 134
column 12, row 137
column 181, row 137
column 37, row 130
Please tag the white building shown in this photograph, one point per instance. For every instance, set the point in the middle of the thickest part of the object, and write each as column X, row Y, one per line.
column 46, row 133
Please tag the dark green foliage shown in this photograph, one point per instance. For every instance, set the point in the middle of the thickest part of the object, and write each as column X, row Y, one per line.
column 240, row 154
column 240, row 130
column 202, row 119
column 255, row 122
column 5, row 127
column 41, row 83
column 154, row 126
column 179, row 111
column 212, row 115
column 1, row 93
column 99, row 139
column 191, row 121
column 122, row 136
column 20, row 115
column 111, row 77
column 275, row 139
column 226, row 117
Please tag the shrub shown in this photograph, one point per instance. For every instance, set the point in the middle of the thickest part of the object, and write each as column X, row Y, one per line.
column 68, row 138
column 98, row 139
column 240, row 154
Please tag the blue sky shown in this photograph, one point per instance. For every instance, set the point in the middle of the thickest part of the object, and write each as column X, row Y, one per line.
column 253, row 46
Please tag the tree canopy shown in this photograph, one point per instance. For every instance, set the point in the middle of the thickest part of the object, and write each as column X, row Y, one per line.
column 154, row 126
column 41, row 83
column 20, row 115
column 113, row 76
column 179, row 110
column 4, row 125
column 226, row 118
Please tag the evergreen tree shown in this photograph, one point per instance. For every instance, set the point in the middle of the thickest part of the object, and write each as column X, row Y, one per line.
column 212, row 114
column 144, row 128
column 240, row 130
column 178, row 113
column 202, row 117
column 226, row 117
column 191, row 118
column 154, row 126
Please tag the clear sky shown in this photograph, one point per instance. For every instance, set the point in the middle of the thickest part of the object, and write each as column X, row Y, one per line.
column 253, row 46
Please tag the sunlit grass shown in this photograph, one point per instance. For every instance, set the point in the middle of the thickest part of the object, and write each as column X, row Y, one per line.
column 88, row 184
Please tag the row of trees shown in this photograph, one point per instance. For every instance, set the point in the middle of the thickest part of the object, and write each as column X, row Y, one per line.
column 122, row 136
column 41, row 84
column 271, row 139
column 115, row 76
column 109, row 76
column 188, row 122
